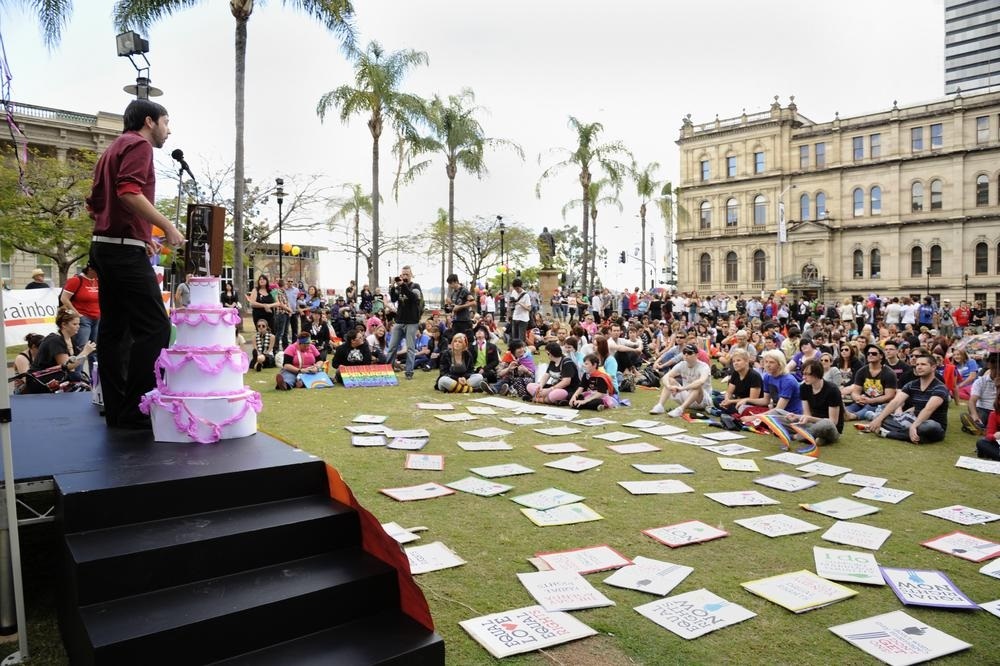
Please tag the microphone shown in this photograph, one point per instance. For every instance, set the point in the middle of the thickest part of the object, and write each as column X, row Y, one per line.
column 178, row 155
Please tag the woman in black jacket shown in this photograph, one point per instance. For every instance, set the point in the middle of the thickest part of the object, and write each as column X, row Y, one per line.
column 456, row 368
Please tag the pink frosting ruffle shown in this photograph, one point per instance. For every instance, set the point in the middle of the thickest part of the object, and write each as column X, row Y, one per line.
column 203, row 357
column 191, row 425
column 206, row 315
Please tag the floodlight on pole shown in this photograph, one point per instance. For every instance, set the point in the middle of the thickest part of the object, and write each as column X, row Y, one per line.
column 130, row 44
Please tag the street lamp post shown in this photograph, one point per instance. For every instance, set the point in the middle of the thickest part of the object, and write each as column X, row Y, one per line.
column 503, row 261
column 279, row 193
column 966, row 279
column 781, row 236
column 928, row 281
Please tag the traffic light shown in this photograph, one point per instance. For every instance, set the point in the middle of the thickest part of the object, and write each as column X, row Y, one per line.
column 621, row 257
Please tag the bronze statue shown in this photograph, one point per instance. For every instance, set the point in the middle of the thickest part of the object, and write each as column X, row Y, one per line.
column 546, row 247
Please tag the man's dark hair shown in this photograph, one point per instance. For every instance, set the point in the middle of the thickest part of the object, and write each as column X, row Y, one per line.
column 452, row 279
column 138, row 110
column 594, row 359
column 517, row 283
column 514, row 345
column 553, row 349
column 813, row 368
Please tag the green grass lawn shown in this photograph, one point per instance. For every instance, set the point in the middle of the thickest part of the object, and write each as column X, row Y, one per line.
column 495, row 539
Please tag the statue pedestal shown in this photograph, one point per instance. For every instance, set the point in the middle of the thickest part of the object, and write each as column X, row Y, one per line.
column 548, row 282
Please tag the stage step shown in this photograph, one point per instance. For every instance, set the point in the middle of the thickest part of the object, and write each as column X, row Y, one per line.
column 132, row 559
column 387, row 639
column 101, row 499
column 217, row 618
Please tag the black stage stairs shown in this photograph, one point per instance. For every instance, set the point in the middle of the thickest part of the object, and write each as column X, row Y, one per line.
column 204, row 559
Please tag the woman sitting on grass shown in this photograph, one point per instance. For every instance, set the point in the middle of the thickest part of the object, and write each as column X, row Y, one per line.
column 456, row 368
column 353, row 351
column 516, row 370
column 263, row 347
column 559, row 381
column 989, row 446
column 596, row 391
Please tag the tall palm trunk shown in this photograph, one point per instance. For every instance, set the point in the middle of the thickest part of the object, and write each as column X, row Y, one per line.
column 373, row 279
column 451, row 169
column 585, row 183
column 593, row 254
column 357, row 247
column 642, row 244
column 239, row 273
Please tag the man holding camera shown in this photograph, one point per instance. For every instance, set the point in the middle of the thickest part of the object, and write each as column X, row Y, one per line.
column 410, row 306
column 462, row 301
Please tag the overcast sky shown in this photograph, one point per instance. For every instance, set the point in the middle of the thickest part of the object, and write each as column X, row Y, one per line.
column 636, row 66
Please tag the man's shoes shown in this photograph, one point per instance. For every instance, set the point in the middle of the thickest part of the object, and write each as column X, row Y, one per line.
column 657, row 409
column 409, row 375
column 883, row 433
column 488, row 388
column 969, row 426
column 676, row 412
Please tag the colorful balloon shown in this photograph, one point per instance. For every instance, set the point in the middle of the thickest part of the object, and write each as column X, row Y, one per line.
column 296, row 250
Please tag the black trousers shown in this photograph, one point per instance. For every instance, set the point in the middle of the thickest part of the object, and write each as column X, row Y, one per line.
column 134, row 327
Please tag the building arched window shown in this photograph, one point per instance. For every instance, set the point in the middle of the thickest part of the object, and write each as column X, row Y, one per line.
column 859, row 264
column 705, row 269
column 876, row 200
column 935, row 264
column 759, row 210
column 875, row 264
column 982, row 264
column 804, row 207
column 732, row 267
column 916, row 262
column 917, row 197
column 759, row 266
column 732, row 212
column 982, row 190
column 858, row 195
column 937, row 194
column 810, row 272
column 820, row 206
column 706, row 215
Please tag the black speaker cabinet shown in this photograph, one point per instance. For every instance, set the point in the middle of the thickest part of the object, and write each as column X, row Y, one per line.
column 205, row 233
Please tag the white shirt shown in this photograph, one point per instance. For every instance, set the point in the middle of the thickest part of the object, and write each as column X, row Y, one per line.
column 596, row 303
column 689, row 374
column 909, row 314
column 893, row 312
column 522, row 305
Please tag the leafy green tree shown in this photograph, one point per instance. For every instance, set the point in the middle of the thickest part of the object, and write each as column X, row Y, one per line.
column 435, row 242
column 477, row 246
column 337, row 16
column 455, row 133
column 351, row 207
column 596, row 198
column 569, row 254
column 45, row 213
column 668, row 208
column 376, row 92
column 586, row 156
column 52, row 16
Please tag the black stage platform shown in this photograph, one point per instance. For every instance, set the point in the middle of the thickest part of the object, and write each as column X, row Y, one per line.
column 63, row 435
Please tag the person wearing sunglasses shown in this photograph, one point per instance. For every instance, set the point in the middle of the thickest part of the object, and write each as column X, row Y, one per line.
column 874, row 386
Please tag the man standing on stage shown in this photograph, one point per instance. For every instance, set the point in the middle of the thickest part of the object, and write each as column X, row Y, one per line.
column 121, row 205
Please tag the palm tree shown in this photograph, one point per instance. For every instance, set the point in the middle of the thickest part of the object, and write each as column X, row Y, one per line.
column 667, row 208
column 646, row 186
column 586, row 156
column 52, row 16
column 596, row 198
column 377, row 77
column 337, row 16
column 351, row 207
column 457, row 135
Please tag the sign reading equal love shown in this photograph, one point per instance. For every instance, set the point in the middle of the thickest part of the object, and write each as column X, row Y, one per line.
column 354, row 376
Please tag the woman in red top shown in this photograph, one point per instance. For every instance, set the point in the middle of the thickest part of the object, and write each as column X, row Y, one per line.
column 80, row 294
column 989, row 446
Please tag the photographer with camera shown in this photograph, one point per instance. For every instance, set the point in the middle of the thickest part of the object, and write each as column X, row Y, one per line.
column 410, row 298
column 462, row 302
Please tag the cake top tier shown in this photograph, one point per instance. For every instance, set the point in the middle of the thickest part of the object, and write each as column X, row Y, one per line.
column 205, row 290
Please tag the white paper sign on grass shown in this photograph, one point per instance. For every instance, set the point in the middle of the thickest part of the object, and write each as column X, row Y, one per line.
column 642, row 423
column 850, row 566
column 824, row 469
column 648, row 575
column 456, row 418
column 660, row 429
column 921, row 587
column 425, row 461
column 369, row 418
column 790, row 458
column 568, row 514
column 476, row 486
column 368, row 440
column 685, row 534
column 489, row 445
column 521, row 420
column 489, row 433
column 663, row 468
column 730, row 449
column 660, row 487
column 785, row 482
column 964, row 515
column 562, row 590
column 841, row 508
column 616, row 436
column 368, row 429
column 567, row 416
column 966, row 546
column 399, row 533
column 481, row 411
column 724, row 436
column 498, row 471
column 742, row 498
column 979, row 465
column 689, row 439
column 585, row 560
column 407, row 443
column 863, row 480
column 799, row 591
column 992, row 607
column 524, row 630
column 420, row 492
column 883, row 494
column 738, row 465
column 575, row 463
column 991, row 569
column 776, row 525
column 412, row 433
column 857, row 534
column 630, row 449
column 694, row 614
column 563, row 447
column 547, row 499
column 594, row 422
column 557, row 431
column 436, row 406
column 898, row 639
column 432, row 557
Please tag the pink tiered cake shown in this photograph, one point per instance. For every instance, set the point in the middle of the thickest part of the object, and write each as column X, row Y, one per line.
column 199, row 394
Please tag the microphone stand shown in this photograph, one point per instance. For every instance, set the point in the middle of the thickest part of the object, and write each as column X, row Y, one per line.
column 180, row 187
